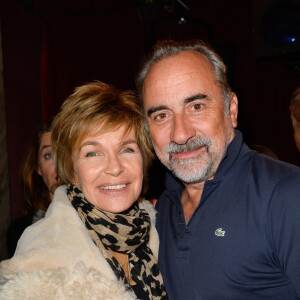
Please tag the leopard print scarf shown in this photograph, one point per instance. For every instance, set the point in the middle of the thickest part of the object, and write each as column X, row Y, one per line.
column 127, row 233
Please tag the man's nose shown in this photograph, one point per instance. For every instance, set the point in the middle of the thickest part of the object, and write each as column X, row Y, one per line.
column 182, row 129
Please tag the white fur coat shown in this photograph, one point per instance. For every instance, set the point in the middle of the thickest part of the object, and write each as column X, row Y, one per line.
column 56, row 259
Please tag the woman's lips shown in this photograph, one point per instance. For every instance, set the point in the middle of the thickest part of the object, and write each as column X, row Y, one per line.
column 114, row 187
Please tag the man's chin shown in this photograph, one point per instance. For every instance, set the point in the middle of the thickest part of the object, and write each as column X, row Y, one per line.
column 190, row 178
column 193, row 181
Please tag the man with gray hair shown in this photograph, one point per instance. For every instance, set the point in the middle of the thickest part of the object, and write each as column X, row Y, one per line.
column 230, row 227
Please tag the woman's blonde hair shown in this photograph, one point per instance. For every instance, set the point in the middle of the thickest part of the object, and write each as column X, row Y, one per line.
column 96, row 108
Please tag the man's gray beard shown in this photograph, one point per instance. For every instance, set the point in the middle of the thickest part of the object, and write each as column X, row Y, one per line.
column 181, row 167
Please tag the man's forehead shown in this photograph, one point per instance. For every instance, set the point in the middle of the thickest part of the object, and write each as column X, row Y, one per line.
column 175, row 69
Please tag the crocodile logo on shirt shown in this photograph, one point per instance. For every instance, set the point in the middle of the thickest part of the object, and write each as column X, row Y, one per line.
column 220, row 232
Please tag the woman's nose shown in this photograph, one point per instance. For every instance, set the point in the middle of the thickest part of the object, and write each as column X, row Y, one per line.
column 114, row 166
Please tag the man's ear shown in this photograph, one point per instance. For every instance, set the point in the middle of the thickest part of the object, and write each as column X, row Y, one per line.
column 233, row 109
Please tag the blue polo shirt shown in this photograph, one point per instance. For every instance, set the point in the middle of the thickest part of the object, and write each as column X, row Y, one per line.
column 243, row 240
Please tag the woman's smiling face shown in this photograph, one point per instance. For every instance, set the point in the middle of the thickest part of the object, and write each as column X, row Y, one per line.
column 108, row 167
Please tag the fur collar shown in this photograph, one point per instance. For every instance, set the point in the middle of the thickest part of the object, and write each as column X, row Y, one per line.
column 56, row 255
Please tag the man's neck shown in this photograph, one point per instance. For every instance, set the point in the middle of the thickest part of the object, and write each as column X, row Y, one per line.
column 190, row 199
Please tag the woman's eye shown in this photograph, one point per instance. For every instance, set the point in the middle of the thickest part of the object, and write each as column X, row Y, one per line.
column 48, row 156
column 90, row 154
column 127, row 150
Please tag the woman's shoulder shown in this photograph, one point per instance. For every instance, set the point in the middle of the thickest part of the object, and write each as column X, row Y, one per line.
column 58, row 239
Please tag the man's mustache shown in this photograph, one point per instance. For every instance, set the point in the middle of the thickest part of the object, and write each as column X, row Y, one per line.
column 190, row 145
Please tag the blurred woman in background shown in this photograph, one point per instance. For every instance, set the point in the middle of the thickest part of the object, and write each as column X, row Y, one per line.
column 39, row 178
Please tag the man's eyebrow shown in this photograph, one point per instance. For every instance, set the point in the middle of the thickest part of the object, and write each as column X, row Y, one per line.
column 152, row 110
column 194, row 97
column 187, row 100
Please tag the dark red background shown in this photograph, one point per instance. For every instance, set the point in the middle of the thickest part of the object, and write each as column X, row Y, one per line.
column 52, row 46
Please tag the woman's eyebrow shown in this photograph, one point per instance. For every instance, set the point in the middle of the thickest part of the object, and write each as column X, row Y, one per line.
column 88, row 143
column 131, row 141
column 44, row 147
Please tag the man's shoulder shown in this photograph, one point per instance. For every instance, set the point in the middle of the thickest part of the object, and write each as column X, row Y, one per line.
column 268, row 175
column 266, row 165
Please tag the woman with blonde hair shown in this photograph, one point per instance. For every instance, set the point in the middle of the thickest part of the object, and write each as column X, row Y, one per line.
column 98, row 239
